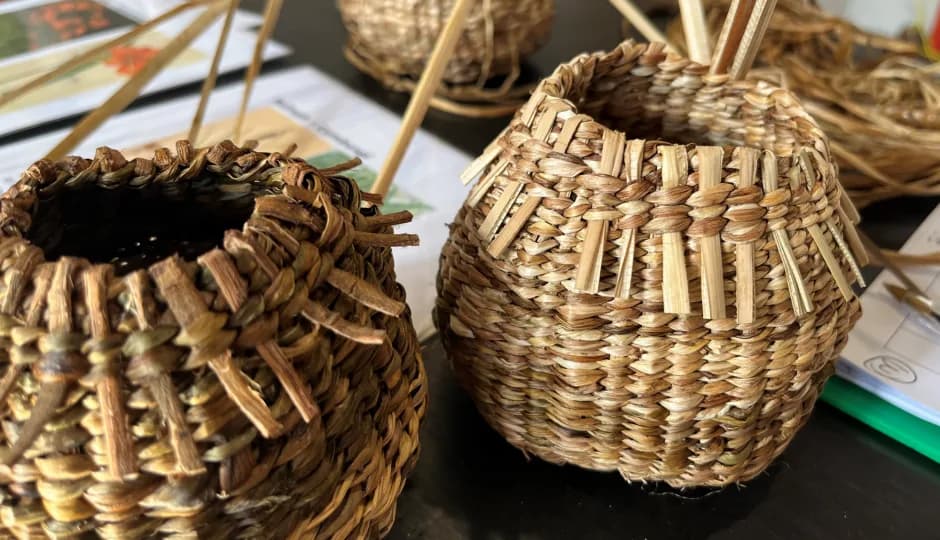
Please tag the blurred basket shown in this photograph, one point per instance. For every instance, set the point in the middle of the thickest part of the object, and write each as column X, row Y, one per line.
column 668, row 310
column 258, row 387
column 392, row 40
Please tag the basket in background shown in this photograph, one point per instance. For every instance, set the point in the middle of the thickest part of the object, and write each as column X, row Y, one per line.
column 392, row 40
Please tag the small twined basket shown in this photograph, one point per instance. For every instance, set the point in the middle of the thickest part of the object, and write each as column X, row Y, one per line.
column 653, row 274
column 392, row 40
column 210, row 344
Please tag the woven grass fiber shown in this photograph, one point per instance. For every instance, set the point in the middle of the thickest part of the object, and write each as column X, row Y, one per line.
column 392, row 40
column 264, row 382
column 876, row 97
column 653, row 273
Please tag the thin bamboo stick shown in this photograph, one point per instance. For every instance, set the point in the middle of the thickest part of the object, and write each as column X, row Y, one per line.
column 209, row 83
column 90, row 54
column 696, row 30
column 421, row 100
column 644, row 26
column 271, row 12
column 132, row 88
column 750, row 41
column 731, row 33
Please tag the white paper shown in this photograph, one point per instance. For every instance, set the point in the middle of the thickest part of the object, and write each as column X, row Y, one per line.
column 87, row 88
column 889, row 18
column 893, row 352
column 427, row 183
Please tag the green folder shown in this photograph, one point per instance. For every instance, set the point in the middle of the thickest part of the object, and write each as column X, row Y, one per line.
column 901, row 426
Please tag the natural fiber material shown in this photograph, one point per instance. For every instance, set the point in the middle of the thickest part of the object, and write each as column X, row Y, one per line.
column 269, row 386
column 391, row 40
column 876, row 97
column 669, row 311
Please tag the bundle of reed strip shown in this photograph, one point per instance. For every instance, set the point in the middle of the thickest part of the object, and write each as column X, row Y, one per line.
column 653, row 274
column 267, row 386
column 391, row 41
column 877, row 98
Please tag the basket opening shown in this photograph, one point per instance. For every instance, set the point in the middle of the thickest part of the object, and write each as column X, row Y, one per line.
column 644, row 104
column 649, row 125
column 133, row 228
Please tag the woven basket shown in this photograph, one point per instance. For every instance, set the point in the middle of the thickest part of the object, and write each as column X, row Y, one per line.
column 391, row 40
column 669, row 311
column 264, row 385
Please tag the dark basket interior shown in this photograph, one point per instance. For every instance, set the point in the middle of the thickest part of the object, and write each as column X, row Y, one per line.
column 133, row 228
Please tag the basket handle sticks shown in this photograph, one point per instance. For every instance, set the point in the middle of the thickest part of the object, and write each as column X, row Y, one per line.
column 741, row 36
column 643, row 25
column 696, row 31
column 421, row 100
column 272, row 10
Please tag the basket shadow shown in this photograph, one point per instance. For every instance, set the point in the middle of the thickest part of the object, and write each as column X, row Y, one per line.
column 470, row 483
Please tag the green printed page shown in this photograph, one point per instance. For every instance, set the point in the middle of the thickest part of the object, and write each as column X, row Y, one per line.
column 396, row 200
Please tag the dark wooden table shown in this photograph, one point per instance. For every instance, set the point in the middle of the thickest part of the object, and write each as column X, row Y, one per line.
column 838, row 480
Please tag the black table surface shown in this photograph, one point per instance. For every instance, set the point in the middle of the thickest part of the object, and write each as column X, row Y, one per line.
column 839, row 479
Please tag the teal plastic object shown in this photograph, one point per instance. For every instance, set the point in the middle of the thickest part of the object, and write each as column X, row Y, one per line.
column 901, row 426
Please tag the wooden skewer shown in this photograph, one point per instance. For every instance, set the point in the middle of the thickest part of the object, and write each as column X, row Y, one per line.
column 90, row 54
column 750, row 41
column 131, row 89
column 209, row 83
column 271, row 11
column 421, row 100
column 731, row 33
column 639, row 21
column 696, row 31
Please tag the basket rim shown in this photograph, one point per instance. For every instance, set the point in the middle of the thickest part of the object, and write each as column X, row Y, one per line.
column 604, row 188
column 109, row 169
column 556, row 91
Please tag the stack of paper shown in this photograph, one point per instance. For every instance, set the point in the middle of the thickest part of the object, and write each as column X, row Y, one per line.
column 38, row 35
column 894, row 354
